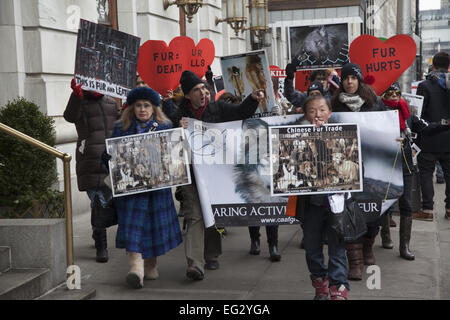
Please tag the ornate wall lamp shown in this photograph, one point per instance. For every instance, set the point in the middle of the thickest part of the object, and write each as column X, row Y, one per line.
column 190, row 7
column 235, row 15
column 258, row 19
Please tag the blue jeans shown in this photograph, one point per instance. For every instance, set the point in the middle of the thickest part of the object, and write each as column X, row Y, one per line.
column 314, row 225
column 104, row 195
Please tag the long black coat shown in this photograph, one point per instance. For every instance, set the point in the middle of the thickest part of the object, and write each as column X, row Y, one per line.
column 94, row 120
column 436, row 106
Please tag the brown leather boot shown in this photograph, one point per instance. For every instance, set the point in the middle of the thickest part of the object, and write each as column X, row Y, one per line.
column 385, row 233
column 369, row 257
column 355, row 261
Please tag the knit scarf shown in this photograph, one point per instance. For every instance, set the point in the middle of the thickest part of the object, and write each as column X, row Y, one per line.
column 403, row 110
column 197, row 112
column 353, row 101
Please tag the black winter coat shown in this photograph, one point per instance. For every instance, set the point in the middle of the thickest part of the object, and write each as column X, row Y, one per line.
column 217, row 111
column 94, row 120
column 436, row 106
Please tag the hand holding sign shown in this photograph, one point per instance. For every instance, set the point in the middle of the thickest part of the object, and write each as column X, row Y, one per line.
column 385, row 61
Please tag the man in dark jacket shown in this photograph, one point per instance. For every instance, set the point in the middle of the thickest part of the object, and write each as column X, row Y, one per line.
column 93, row 115
column 436, row 106
column 196, row 105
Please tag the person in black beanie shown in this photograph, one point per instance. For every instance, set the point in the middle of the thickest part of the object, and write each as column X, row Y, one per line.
column 315, row 88
column 354, row 95
column 196, row 105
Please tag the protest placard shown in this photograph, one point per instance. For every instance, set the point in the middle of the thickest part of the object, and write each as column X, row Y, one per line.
column 384, row 61
column 314, row 160
column 415, row 103
column 106, row 59
column 147, row 162
column 246, row 72
column 161, row 65
column 319, row 46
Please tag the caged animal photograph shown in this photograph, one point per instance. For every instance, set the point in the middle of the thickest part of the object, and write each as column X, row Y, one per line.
column 323, row 46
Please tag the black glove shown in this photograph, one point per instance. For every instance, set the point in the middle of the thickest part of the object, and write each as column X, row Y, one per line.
column 209, row 75
column 290, row 71
column 105, row 159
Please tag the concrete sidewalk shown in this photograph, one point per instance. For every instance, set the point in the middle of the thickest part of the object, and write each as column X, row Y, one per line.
column 245, row 277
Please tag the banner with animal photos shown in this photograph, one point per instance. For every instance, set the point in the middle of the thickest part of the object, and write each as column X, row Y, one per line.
column 319, row 46
column 147, row 162
column 310, row 160
column 246, row 72
column 231, row 163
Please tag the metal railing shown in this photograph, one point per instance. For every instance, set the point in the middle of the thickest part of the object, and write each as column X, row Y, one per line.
column 65, row 157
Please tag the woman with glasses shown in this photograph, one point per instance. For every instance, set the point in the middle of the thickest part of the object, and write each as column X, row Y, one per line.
column 408, row 123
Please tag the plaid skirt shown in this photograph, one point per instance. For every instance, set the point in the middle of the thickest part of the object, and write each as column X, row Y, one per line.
column 147, row 223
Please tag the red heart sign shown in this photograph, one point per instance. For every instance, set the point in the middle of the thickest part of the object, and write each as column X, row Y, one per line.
column 201, row 57
column 385, row 61
column 160, row 66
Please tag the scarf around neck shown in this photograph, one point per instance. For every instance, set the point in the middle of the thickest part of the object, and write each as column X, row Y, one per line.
column 197, row 112
column 403, row 110
column 353, row 101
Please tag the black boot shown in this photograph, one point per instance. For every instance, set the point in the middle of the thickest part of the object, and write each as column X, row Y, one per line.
column 385, row 233
column 255, row 248
column 273, row 250
column 99, row 236
column 405, row 236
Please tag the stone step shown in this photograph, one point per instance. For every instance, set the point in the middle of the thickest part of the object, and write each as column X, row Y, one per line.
column 62, row 293
column 5, row 259
column 22, row 284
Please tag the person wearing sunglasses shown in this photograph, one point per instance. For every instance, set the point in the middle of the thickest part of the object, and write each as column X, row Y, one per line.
column 408, row 123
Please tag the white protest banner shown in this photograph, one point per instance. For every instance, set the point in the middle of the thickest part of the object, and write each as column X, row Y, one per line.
column 231, row 163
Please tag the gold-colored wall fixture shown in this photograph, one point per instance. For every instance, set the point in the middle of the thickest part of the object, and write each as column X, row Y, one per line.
column 190, row 7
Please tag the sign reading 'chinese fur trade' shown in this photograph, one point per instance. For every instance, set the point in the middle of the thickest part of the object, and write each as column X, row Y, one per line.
column 148, row 161
column 314, row 160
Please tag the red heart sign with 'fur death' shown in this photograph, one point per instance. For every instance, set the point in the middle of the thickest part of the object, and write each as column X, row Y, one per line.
column 385, row 61
column 160, row 66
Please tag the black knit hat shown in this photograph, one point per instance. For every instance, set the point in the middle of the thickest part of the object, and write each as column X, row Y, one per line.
column 351, row 69
column 394, row 86
column 144, row 93
column 315, row 85
column 189, row 80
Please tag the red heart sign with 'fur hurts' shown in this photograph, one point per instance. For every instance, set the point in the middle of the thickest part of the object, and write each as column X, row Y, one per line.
column 385, row 61
column 161, row 66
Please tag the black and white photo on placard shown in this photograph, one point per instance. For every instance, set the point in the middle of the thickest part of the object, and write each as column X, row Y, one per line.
column 148, row 161
column 314, row 160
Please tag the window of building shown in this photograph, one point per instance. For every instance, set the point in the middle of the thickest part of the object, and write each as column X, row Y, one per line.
column 107, row 12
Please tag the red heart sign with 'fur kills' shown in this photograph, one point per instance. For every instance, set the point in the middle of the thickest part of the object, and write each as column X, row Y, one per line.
column 160, row 66
column 385, row 61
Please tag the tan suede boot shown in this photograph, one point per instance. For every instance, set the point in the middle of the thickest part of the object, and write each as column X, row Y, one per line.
column 135, row 278
column 150, row 269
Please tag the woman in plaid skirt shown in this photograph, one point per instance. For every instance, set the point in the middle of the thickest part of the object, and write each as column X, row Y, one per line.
column 147, row 222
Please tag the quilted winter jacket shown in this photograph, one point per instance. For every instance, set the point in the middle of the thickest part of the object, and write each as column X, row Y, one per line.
column 94, row 121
